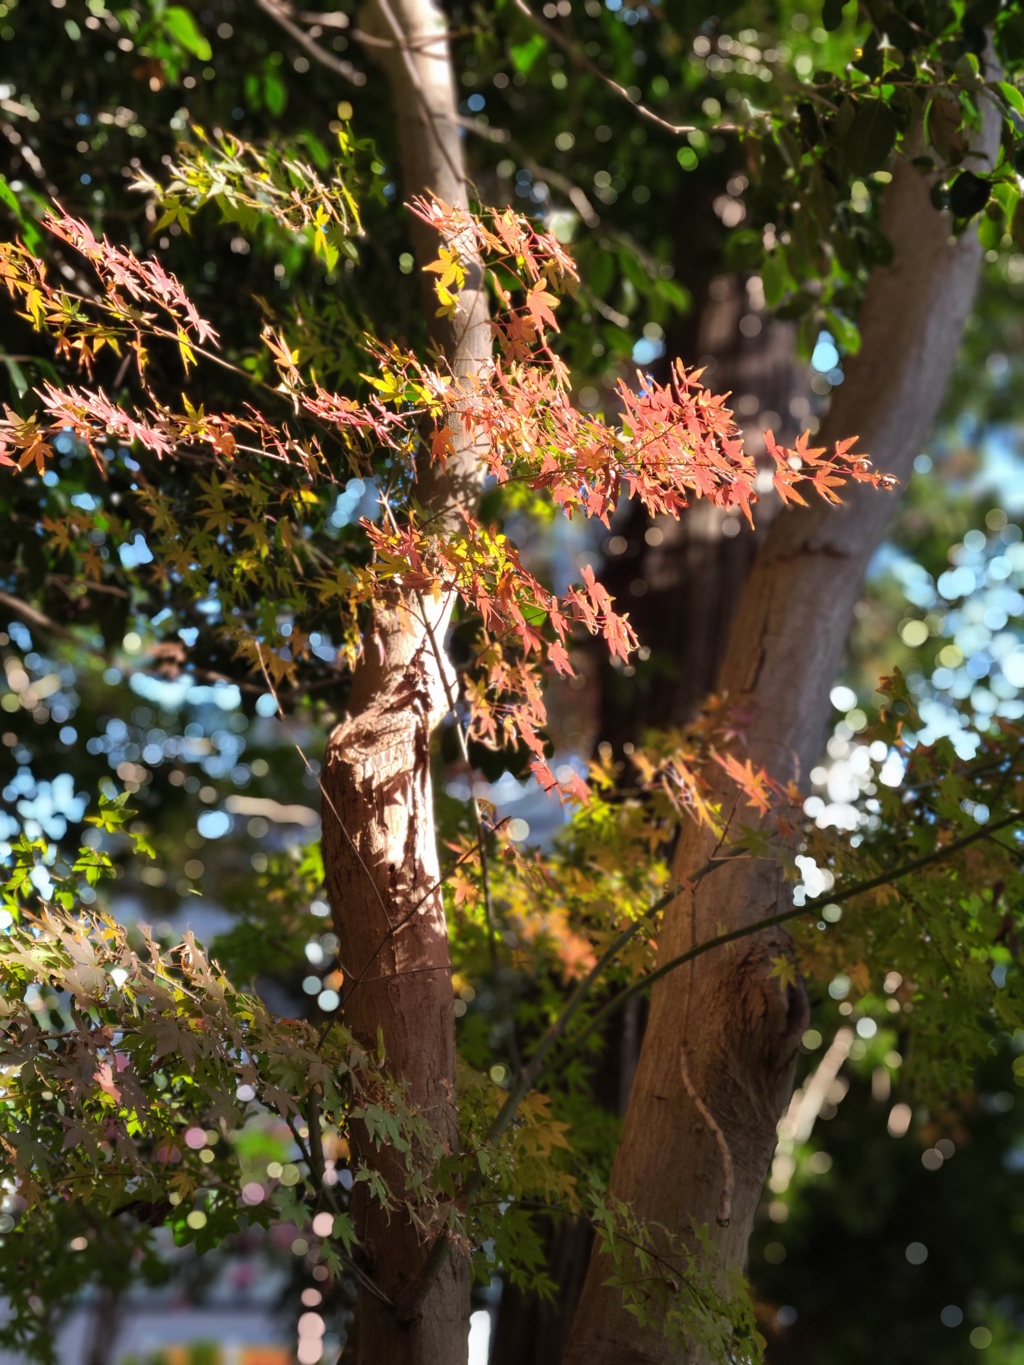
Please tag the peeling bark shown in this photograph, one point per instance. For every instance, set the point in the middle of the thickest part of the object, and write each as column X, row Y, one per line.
column 379, row 841
column 738, row 1032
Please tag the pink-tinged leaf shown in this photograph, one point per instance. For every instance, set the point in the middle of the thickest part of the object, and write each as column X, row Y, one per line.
column 577, row 788
column 560, row 659
column 543, row 774
column 540, row 305
column 620, row 636
column 104, row 1078
column 755, row 784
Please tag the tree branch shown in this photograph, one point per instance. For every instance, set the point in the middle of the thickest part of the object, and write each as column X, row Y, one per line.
column 579, row 59
column 282, row 15
column 794, row 912
column 33, row 618
column 538, row 1062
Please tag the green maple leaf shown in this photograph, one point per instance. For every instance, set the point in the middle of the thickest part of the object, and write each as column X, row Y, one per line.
column 785, row 971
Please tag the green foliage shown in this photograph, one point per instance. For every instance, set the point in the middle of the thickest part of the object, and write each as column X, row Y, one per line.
column 834, row 1249
column 662, row 1284
column 946, row 923
column 141, row 1089
column 262, row 187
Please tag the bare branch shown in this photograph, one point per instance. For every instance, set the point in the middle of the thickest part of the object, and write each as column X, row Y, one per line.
column 313, row 1157
column 327, row 19
column 834, row 897
column 33, row 618
column 28, row 154
column 578, row 59
column 282, row 15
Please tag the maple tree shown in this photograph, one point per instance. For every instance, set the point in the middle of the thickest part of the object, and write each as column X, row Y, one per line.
column 198, row 479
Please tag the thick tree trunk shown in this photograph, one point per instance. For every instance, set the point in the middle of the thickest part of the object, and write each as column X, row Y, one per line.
column 379, row 842
column 380, row 862
column 717, row 1062
column 692, row 577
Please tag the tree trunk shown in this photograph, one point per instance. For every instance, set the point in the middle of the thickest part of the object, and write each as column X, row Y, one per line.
column 379, row 845
column 692, row 577
column 105, row 1327
column 717, row 1063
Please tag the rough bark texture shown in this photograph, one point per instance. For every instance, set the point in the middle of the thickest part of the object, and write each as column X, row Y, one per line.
column 379, row 842
column 722, row 1037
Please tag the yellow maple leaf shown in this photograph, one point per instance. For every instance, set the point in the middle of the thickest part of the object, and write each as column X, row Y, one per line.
column 785, row 971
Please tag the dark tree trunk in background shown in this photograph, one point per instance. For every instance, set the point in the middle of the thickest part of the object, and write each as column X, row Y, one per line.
column 528, row 1329
column 681, row 580
column 104, row 1328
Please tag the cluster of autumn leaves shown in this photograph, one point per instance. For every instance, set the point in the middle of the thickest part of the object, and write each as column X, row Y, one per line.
column 671, row 442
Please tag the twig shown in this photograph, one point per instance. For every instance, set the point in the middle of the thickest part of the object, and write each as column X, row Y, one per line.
column 569, row 188
column 281, row 14
column 34, row 618
column 29, row 156
column 368, row 1284
column 770, row 921
column 327, row 19
column 462, row 858
column 1014, row 852
column 281, row 396
column 532, row 1073
column 485, row 130
column 316, row 1142
column 579, row 59
column 39, row 621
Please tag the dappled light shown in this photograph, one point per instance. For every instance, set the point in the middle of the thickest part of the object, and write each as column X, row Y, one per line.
column 511, row 683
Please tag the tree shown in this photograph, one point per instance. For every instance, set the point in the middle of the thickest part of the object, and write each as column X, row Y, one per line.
column 460, row 412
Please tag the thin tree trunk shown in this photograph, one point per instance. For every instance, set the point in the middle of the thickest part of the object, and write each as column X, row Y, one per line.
column 717, row 1063
column 105, row 1327
column 379, row 845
